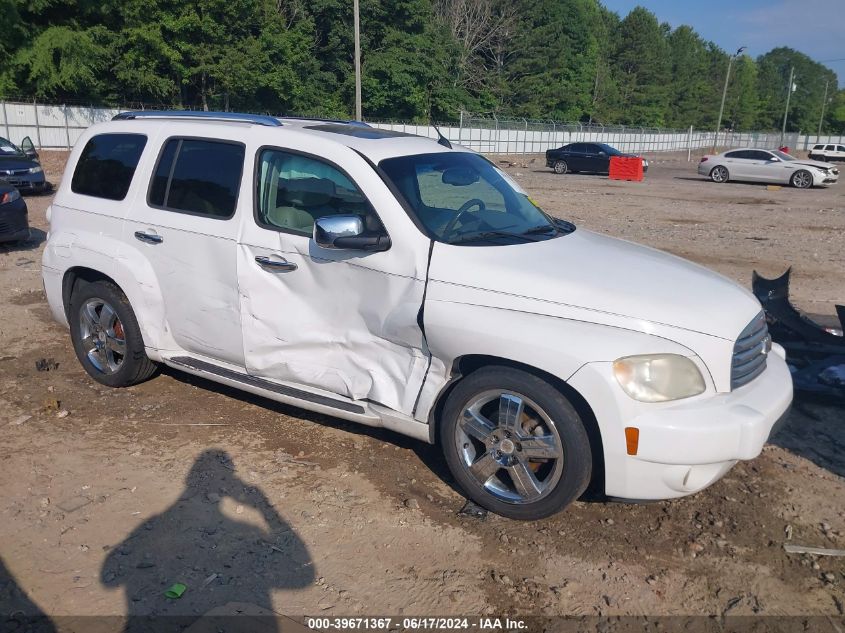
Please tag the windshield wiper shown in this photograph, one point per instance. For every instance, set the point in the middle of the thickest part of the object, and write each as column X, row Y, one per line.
column 484, row 236
column 545, row 228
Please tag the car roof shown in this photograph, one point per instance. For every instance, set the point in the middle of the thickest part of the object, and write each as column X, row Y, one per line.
column 373, row 143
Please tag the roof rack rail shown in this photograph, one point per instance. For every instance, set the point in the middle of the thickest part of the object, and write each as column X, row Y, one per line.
column 258, row 119
column 323, row 120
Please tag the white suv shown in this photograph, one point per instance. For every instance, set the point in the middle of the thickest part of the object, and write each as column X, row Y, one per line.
column 401, row 282
column 828, row 152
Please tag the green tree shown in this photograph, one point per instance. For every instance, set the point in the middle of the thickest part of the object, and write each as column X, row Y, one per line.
column 641, row 64
column 806, row 101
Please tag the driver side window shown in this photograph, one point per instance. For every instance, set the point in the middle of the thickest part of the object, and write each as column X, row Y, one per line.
column 295, row 190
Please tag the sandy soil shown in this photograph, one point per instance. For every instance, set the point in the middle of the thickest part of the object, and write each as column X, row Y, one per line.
column 107, row 497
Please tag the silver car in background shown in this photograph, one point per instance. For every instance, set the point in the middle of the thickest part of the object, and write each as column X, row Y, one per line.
column 769, row 166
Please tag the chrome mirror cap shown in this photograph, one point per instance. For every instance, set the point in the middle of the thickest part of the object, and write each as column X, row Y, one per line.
column 329, row 229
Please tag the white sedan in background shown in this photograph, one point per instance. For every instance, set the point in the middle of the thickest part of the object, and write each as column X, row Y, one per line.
column 769, row 166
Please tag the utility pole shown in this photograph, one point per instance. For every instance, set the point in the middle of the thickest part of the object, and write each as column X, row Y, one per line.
column 358, row 116
column 786, row 111
column 824, row 103
column 724, row 94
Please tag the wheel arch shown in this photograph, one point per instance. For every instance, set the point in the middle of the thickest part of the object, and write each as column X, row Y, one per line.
column 467, row 364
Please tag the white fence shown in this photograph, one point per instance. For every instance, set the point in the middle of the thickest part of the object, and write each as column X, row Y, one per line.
column 59, row 127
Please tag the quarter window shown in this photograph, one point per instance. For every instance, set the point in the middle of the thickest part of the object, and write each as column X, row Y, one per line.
column 198, row 176
column 294, row 190
column 107, row 165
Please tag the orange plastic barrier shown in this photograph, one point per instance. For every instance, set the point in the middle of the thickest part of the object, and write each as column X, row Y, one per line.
column 622, row 168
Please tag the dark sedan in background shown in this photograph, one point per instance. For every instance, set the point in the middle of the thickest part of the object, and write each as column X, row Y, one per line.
column 14, row 223
column 19, row 167
column 589, row 157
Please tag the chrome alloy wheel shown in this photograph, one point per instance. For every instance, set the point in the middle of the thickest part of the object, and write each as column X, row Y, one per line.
column 719, row 174
column 802, row 179
column 510, row 446
column 102, row 335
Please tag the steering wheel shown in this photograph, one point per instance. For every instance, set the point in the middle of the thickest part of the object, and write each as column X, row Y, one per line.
column 465, row 207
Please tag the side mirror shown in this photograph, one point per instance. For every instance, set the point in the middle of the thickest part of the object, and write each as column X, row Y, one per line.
column 347, row 232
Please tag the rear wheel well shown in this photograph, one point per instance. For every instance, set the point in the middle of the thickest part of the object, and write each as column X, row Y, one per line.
column 466, row 365
column 77, row 276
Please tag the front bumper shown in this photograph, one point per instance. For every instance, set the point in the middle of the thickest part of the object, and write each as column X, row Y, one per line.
column 28, row 183
column 686, row 445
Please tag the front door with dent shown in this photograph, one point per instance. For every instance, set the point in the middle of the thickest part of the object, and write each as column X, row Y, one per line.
column 342, row 321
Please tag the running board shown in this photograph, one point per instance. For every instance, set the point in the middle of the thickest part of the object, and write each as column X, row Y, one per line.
column 259, row 383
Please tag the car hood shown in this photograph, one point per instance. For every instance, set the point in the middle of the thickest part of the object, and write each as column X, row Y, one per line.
column 812, row 163
column 597, row 273
column 15, row 162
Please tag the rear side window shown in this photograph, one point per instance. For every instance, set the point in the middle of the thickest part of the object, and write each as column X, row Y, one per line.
column 829, row 148
column 107, row 164
column 198, row 176
column 736, row 154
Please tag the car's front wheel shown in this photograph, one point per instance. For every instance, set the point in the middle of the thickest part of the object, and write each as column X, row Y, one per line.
column 802, row 179
column 106, row 336
column 561, row 167
column 719, row 174
column 515, row 444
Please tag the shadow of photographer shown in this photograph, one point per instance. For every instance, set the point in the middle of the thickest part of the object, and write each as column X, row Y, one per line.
column 223, row 541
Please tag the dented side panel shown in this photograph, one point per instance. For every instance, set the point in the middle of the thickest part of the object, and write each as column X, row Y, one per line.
column 343, row 321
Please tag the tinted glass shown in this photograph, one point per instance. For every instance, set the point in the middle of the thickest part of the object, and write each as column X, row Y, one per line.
column 818, row 147
column 829, row 148
column 840, row 148
column 460, row 198
column 7, row 148
column 206, row 177
column 577, row 148
column 107, row 164
column 295, row 190
column 736, row 154
column 757, row 155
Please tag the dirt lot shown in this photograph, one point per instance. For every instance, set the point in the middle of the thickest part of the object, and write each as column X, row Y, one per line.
column 108, row 497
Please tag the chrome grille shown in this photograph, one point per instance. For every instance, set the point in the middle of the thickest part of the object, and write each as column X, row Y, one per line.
column 750, row 352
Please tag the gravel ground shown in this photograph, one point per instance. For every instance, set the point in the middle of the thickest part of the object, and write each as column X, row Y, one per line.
column 107, row 497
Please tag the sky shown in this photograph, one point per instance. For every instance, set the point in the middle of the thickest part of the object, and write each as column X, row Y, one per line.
column 814, row 27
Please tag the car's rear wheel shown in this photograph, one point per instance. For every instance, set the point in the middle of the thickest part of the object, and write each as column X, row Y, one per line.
column 719, row 174
column 802, row 179
column 561, row 167
column 106, row 336
column 515, row 444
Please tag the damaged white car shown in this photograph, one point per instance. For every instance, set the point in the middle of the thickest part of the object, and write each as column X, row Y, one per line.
column 401, row 282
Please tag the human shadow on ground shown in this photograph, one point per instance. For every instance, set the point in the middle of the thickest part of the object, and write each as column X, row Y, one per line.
column 18, row 613
column 220, row 559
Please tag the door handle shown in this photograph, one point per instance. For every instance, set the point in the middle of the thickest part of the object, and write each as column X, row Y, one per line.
column 149, row 238
column 275, row 264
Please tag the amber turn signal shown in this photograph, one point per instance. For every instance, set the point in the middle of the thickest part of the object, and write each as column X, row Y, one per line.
column 632, row 439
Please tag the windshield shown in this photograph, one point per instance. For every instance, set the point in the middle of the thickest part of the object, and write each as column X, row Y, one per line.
column 460, row 197
column 8, row 149
column 783, row 155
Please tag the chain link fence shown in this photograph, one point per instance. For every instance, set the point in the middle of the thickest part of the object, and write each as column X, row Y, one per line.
column 60, row 126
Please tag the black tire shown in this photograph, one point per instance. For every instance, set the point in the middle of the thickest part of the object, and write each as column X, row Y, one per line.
column 561, row 167
column 720, row 174
column 572, row 473
column 134, row 366
column 801, row 179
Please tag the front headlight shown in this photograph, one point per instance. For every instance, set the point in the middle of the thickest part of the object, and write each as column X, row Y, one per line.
column 36, row 170
column 658, row 377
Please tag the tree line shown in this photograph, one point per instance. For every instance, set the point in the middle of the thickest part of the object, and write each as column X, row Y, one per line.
column 567, row 60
